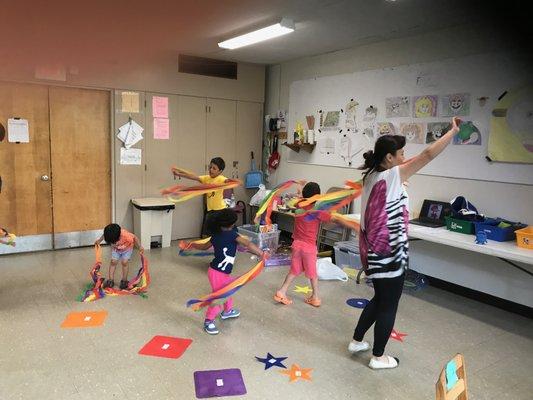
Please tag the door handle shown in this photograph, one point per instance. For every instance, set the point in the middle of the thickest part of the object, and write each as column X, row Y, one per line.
column 45, row 178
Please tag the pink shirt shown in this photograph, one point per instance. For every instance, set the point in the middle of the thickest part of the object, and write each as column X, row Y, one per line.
column 125, row 241
column 307, row 231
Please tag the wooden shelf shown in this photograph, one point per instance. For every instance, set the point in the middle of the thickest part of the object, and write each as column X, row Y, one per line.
column 297, row 147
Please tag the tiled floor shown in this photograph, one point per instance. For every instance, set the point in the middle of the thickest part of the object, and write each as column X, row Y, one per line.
column 40, row 360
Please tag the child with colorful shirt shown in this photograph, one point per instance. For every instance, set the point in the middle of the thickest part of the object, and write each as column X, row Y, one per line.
column 304, row 250
column 224, row 241
column 122, row 243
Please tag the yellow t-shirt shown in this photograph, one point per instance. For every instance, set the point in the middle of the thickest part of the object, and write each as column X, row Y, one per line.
column 215, row 200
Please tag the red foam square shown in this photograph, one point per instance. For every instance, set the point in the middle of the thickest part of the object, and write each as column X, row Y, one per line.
column 165, row 346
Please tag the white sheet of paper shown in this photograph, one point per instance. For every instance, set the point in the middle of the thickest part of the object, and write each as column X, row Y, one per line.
column 18, row 130
column 130, row 133
column 130, row 156
column 130, row 102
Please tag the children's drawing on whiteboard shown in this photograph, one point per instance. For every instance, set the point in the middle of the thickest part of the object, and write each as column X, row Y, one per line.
column 453, row 105
column 330, row 121
column 413, row 132
column 352, row 145
column 397, row 107
column 386, row 128
column 351, row 115
column 468, row 134
column 436, row 130
column 425, row 106
column 326, row 145
column 369, row 121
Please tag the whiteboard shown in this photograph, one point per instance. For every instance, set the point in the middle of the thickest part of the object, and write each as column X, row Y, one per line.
column 483, row 75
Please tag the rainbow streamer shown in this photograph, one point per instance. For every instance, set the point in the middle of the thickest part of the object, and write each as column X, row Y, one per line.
column 11, row 238
column 227, row 291
column 180, row 193
column 187, row 245
column 267, row 203
column 95, row 291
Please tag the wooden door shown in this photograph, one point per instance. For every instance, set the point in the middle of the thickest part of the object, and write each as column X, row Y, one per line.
column 248, row 138
column 81, row 164
column 221, row 132
column 160, row 154
column 187, row 218
column 25, row 197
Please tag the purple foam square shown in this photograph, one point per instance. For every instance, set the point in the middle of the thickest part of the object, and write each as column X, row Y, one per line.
column 219, row 383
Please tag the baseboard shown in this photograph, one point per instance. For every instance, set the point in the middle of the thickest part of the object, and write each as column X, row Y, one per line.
column 482, row 297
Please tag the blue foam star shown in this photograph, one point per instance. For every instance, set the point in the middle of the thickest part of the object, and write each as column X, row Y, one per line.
column 271, row 361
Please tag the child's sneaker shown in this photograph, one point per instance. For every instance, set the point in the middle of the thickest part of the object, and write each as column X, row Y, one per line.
column 210, row 327
column 123, row 285
column 233, row 313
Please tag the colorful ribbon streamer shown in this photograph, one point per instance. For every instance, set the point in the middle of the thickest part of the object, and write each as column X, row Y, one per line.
column 268, row 201
column 137, row 285
column 221, row 294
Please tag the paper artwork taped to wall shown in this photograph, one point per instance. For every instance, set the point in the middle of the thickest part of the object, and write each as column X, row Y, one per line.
column 455, row 105
column 468, row 134
column 386, row 128
column 326, row 145
column 351, row 115
column 398, row 107
column 511, row 127
column 413, row 132
column 352, row 145
column 331, row 120
column 436, row 130
column 425, row 106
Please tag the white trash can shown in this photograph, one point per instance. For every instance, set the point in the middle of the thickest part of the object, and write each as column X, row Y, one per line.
column 152, row 220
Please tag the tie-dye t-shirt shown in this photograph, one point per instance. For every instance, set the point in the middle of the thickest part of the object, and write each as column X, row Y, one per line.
column 383, row 242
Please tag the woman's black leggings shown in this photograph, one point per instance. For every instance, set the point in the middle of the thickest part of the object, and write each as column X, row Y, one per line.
column 381, row 310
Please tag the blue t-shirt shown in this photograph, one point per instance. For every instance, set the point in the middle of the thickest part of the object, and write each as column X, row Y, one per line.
column 225, row 245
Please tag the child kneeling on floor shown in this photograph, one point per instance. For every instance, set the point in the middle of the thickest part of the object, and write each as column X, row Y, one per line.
column 122, row 243
column 224, row 241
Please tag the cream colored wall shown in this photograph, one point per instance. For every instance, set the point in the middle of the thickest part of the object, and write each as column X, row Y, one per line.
column 496, row 199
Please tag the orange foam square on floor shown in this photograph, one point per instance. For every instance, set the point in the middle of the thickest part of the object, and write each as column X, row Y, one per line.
column 84, row 319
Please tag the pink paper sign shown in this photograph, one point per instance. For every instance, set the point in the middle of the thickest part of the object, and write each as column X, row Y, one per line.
column 160, row 107
column 161, row 128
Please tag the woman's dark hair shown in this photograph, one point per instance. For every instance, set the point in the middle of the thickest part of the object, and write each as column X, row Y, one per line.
column 310, row 189
column 112, row 233
column 384, row 145
column 222, row 219
column 219, row 162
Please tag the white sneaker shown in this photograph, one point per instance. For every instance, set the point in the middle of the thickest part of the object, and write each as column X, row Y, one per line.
column 393, row 362
column 356, row 347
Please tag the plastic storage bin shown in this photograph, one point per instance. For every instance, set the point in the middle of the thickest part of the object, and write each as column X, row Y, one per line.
column 263, row 240
column 493, row 232
column 459, row 225
column 524, row 238
column 347, row 254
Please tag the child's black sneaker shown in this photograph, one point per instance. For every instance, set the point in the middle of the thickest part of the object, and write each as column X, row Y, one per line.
column 123, row 285
column 109, row 283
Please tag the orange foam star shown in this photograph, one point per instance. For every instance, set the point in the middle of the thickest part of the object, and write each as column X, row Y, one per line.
column 296, row 373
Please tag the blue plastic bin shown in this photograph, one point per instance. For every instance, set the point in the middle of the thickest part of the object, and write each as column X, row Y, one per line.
column 493, row 232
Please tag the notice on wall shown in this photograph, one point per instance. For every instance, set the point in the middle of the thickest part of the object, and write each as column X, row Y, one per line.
column 161, row 128
column 130, row 102
column 130, row 156
column 160, row 107
column 130, row 133
column 18, row 130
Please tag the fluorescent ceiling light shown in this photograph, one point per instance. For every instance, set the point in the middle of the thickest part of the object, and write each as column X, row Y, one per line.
column 272, row 31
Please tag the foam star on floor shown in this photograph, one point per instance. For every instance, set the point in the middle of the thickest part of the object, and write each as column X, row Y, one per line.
column 302, row 289
column 271, row 361
column 296, row 373
column 351, row 272
column 397, row 335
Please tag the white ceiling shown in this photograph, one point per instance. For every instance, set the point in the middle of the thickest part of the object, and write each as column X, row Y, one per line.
column 70, row 31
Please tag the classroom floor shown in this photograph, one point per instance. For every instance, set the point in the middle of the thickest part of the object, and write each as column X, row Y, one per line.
column 41, row 360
